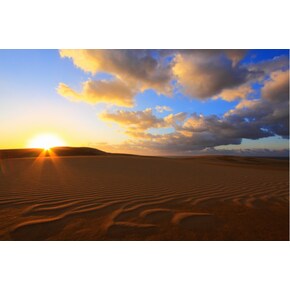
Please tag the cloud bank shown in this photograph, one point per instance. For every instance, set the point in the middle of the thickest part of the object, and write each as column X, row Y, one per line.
column 197, row 74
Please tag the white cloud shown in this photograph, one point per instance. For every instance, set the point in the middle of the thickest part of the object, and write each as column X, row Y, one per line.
column 162, row 109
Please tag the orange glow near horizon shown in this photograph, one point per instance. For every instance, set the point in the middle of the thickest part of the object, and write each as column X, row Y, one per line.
column 45, row 141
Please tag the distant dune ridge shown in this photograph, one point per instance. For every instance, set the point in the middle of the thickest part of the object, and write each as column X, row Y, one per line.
column 59, row 151
column 87, row 194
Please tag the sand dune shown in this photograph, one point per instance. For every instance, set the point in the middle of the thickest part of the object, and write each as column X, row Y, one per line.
column 59, row 151
column 115, row 197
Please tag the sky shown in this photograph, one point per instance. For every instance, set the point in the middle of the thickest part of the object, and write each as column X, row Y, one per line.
column 150, row 102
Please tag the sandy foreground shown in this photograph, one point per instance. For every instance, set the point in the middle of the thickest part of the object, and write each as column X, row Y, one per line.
column 144, row 198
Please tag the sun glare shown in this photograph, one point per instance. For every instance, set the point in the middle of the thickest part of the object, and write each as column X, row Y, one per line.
column 46, row 141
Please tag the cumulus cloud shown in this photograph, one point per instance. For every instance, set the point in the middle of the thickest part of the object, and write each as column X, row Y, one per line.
column 277, row 88
column 175, row 119
column 250, row 119
column 235, row 55
column 199, row 74
column 137, row 120
column 137, row 123
column 200, row 132
column 202, row 75
column 240, row 92
column 195, row 132
column 102, row 91
column 138, row 68
column 271, row 112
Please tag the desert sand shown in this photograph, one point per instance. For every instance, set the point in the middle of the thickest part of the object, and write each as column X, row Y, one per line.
column 123, row 197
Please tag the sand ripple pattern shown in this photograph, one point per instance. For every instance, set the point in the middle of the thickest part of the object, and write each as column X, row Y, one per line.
column 138, row 198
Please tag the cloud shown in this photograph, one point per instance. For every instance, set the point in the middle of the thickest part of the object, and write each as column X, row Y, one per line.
column 245, row 91
column 270, row 65
column 240, row 92
column 175, row 119
column 277, row 88
column 200, row 132
column 102, row 91
column 138, row 68
column 191, row 133
column 203, row 75
column 137, row 120
column 235, row 55
column 137, row 148
column 255, row 152
column 271, row 112
column 69, row 93
column 199, row 74
column 162, row 109
column 250, row 119
column 137, row 123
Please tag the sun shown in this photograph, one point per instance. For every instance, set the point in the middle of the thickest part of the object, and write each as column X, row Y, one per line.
column 46, row 141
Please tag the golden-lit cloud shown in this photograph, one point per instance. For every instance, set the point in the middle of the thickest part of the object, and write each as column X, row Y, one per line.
column 240, row 92
column 197, row 74
column 235, row 55
column 100, row 91
column 276, row 89
column 204, row 75
column 174, row 119
column 137, row 123
column 250, row 119
column 138, row 68
column 138, row 120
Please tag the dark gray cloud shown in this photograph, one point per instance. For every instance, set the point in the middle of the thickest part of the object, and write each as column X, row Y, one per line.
column 203, row 75
column 271, row 111
column 276, row 89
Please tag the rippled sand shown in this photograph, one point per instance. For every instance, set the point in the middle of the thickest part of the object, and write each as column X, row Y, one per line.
column 144, row 198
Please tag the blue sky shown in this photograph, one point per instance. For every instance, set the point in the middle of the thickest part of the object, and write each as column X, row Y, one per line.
column 88, row 109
